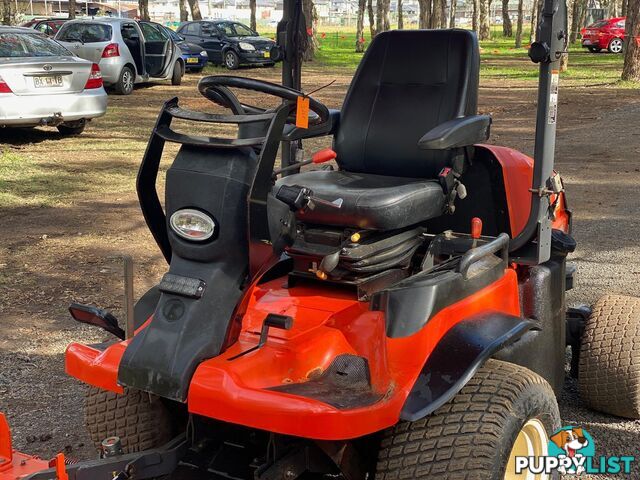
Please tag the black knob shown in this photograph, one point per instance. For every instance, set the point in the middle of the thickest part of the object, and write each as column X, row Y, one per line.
column 539, row 52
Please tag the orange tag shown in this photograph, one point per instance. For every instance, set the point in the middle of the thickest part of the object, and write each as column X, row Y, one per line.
column 302, row 112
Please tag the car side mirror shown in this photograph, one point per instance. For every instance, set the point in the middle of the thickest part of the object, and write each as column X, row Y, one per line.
column 98, row 317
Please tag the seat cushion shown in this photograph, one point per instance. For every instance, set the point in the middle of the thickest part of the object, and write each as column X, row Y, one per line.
column 367, row 201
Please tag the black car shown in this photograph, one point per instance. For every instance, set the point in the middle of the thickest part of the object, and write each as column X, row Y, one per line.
column 229, row 43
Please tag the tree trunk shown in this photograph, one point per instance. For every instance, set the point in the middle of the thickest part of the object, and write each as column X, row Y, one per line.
column 311, row 18
column 507, row 27
column 575, row 18
column 143, row 7
column 400, row 16
column 252, row 19
column 625, row 4
column 6, row 12
column 443, row 14
column 372, row 19
column 382, row 16
column 425, row 13
column 631, row 69
column 362, row 5
column 195, row 10
column 452, row 14
column 184, row 13
column 71, row 9
column 534, row 21
column 485, row 29
column 519, row 24
column 436, row 12
column 475, row 20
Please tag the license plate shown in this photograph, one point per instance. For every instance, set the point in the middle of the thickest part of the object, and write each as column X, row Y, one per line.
column 586, row 42
column 192, row 60
column 47, row 81
column 267, row 54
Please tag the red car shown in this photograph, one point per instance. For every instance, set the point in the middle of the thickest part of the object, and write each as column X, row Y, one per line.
column 604, row 34
column 48, row 26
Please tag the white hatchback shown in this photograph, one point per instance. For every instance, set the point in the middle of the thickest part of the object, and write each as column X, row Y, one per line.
column 42, row 83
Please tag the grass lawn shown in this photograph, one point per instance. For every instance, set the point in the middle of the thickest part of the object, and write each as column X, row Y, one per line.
column 500, row 59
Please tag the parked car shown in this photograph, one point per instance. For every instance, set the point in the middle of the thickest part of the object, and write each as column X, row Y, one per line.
column 604, row 34
column 194, row 56
column 229, row 43
column 48, row 26
column 128, row 51
column 42, row 83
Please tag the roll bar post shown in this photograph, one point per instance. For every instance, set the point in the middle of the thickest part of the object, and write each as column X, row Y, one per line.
column 533, row 244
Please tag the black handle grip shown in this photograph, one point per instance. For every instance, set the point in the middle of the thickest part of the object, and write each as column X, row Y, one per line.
column 283, row 322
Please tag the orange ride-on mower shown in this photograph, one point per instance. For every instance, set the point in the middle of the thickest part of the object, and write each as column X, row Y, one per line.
column 402, row 316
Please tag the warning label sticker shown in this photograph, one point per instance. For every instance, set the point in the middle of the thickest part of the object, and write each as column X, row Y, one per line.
column 553, row 97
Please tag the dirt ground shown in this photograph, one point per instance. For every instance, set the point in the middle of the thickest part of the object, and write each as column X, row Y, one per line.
column 73, row 209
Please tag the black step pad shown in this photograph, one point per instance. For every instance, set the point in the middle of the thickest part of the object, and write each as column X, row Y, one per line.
column 345, row 385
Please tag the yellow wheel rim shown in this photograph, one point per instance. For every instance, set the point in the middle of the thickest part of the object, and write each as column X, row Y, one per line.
column 532, row 441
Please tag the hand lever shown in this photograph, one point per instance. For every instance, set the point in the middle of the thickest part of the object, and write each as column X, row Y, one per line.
column 321, row 156
column 272, row 320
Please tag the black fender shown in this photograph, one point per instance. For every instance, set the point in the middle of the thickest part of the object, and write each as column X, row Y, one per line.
column 457, row 357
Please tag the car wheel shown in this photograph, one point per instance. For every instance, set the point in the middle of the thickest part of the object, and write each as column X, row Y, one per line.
column 594, row 49
column 72, row 128
column 608, row 375
column 176, row 78
column 615, row 45
column 124, row 85
column 231, row 60
column 504, row 411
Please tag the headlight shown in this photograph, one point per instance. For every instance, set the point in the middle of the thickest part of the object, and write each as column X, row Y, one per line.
column 192, row 224
column 204, row 53
column 246, row 46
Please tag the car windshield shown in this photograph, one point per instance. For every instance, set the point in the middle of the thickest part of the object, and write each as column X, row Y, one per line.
column 236, row 30
column 17, row 45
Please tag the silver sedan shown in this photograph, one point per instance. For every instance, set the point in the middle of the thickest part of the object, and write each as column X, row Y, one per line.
column 42, row 83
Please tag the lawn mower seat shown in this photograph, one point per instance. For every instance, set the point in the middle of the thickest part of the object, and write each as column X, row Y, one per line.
column 410, row 108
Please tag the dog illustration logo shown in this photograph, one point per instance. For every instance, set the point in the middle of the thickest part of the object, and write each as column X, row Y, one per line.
column 573, row 443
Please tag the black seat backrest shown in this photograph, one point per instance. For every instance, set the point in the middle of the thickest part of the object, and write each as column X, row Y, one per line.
column 408, row 82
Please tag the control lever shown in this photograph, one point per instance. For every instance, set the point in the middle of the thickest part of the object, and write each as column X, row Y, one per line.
column 272, row 320
column 300, row 198
column 321, row 156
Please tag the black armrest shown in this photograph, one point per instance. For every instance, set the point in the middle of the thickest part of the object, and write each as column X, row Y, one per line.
column 456, row 133
column 291, row 132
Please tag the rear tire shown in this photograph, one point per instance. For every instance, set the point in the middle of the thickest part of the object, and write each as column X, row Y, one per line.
column 124, row 85
column 231, row 60
column 474, row 435
column 615, row 45
column 176, row 77
column 609, row 372
column 139, row 422
column 594, row 49
column 72, row 128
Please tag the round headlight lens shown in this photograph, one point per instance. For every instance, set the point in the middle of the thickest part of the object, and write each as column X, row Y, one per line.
column 246, row 46
column 192, row 224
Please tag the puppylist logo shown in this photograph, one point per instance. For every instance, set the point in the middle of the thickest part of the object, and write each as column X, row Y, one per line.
column 572, row 450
